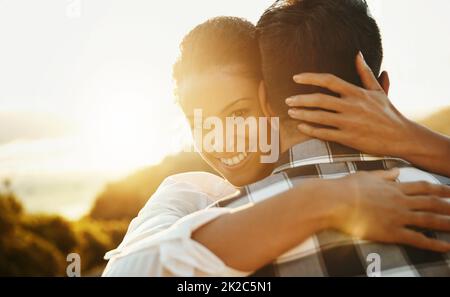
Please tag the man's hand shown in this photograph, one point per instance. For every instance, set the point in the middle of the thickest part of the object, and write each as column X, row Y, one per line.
column 374, row 207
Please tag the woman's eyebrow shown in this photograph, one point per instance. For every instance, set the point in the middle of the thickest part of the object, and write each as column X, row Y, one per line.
column 229, row 106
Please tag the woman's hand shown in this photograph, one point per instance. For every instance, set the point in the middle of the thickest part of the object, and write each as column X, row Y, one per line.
column 365, row 119
column 378, row 209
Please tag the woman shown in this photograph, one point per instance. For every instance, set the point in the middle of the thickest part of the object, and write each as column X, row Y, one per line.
column 176, row 234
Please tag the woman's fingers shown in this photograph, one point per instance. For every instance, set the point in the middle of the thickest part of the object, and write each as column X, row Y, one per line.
column 425, row 188
column 318, row 101
column 317, row 117
column 429, row 203
column 419, row 240
column 368, row 79
column 327, row 134
column 328, row 81
column 385, row 82
column 429, row 221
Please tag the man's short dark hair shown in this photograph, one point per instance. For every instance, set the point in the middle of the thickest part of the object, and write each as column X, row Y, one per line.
column 321, row 36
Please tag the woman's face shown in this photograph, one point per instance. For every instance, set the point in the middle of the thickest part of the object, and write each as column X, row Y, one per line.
column 224, row 93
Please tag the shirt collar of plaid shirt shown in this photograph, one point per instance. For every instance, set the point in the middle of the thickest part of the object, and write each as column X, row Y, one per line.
column 316, row 151
column 312, row 158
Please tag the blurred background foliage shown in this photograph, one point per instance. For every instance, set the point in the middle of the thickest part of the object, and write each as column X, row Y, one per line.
column 37, row 244
column 439, row 121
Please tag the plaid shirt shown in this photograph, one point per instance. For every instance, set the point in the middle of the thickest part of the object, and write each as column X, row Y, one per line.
column 331, row 253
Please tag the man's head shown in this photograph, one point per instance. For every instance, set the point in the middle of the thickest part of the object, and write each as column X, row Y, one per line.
column 322, row 36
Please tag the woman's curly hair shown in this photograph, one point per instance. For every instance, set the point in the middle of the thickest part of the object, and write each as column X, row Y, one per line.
column 220, row 41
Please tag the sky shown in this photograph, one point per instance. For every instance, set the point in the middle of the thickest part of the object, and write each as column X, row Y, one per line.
column 86, row 87
column 100, row 70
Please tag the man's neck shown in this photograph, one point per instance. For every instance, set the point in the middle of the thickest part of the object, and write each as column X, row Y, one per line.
column 289, row 138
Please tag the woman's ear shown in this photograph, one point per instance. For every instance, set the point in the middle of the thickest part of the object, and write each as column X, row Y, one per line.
column 262, row 97
column 384, row 81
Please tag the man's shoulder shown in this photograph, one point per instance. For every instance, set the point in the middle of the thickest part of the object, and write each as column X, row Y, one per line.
column 413, row 174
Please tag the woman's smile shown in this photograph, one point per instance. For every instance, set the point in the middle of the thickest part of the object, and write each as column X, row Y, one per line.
column 235, row 161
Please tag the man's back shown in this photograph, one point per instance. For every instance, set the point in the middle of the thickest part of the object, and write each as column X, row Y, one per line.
column 331, row 253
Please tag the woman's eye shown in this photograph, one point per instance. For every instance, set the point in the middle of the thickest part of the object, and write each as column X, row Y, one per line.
column 238, row 113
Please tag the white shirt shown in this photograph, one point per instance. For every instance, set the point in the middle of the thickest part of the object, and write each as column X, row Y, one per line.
column 158, row 241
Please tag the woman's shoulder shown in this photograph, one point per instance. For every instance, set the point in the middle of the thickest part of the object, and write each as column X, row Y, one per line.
column 204, row 182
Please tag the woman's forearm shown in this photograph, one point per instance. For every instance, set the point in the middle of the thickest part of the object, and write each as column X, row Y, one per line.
column 427, row 149
column 252, row 237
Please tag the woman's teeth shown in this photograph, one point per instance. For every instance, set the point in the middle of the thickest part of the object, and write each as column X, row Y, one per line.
column 234, row 160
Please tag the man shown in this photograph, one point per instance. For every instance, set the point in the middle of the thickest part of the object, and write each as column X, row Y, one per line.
column 324, row 37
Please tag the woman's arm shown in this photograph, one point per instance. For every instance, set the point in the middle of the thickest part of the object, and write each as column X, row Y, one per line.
column 429, row 151
column 367, row 205
column 365, row 119
column 250, row 238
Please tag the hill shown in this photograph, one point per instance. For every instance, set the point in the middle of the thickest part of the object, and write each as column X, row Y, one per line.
column 123, row 199
column 439, row 121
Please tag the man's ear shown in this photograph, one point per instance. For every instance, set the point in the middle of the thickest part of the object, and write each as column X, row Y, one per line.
column 262, row 97
column 384, row 81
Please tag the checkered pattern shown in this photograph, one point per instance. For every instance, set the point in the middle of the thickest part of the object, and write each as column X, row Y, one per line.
column 331, row 253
